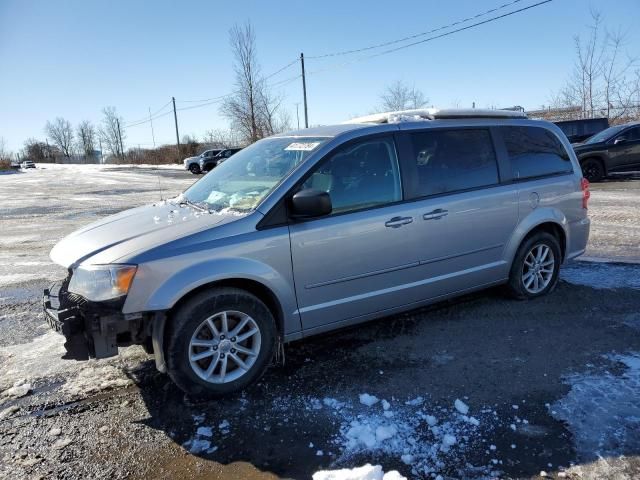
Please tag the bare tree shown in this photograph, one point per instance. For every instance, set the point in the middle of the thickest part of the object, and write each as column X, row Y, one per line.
column 221, row 138
column 109, row 132
column 5, row 154
column 254, row 112
column 86, row 134
column 61, row 134
column 399, row 96
column 39, row 151
column 619, row 89
column 604, row 80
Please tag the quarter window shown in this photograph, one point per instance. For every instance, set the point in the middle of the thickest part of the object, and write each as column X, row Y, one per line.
column 453, row 160
column 535, row 152
column 359, row 175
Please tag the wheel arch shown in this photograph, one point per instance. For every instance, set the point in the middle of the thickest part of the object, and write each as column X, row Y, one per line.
column 595, row 156
column 547, row 220
column 260, row 290
column 554, row 229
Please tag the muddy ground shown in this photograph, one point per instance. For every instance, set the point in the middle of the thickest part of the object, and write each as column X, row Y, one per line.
column 551, row 385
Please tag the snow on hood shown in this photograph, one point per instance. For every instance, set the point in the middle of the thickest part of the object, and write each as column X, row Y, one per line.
column 154, row 225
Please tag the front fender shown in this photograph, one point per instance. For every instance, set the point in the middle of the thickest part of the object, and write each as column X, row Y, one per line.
column 531, row 221
column 147, row 295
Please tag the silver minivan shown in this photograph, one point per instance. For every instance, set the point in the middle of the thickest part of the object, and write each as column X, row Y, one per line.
column 317, row 229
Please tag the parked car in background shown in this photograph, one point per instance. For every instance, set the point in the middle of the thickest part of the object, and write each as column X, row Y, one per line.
column 616, row 149
column 579, row 130
column 193, row 163
column 28, row 164
column 207, row 164
column 309, row 231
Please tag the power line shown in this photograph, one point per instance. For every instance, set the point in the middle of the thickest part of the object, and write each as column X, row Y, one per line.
column 147, row 117
column 282, row 69
column 217, row 100
column 147, row 120
column 202, row 100
column 410, row 37
column 435, row 37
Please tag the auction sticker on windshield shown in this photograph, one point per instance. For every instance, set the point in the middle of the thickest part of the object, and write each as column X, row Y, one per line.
column 302, row 146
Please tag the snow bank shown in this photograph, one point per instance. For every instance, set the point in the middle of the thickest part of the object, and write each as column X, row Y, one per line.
column 367, row 472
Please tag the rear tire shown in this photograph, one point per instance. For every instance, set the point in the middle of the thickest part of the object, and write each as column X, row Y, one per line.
column 195, row 169
column 593, row 170
column 535, row 268
column 192, row 347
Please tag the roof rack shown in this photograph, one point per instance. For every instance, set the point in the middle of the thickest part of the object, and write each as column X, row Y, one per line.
column 435, row 114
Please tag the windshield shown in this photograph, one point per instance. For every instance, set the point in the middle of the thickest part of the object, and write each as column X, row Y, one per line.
column 241, row 182
column 604, row 135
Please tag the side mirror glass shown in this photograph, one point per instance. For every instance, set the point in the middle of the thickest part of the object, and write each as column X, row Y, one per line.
column 309, row 203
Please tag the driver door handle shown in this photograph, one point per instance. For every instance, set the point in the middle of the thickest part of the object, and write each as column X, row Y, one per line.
column 397, row 222
column 435, row 214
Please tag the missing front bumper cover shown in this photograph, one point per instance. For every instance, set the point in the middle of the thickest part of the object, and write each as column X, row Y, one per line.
column 90, row 329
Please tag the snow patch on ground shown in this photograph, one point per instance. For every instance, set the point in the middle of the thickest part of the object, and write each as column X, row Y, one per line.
column 602, row 410
column 602, row 275
column 95, row 377
column 41, row 358
column 367, row 472
column 431, row 439
column 13, row 278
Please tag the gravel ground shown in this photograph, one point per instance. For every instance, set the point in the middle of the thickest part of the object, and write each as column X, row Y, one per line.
column 550, row 385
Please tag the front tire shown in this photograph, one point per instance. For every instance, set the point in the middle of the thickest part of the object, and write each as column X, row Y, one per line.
column 536, row 267
column 593, row 170
column 219, row 342
column 195, row 169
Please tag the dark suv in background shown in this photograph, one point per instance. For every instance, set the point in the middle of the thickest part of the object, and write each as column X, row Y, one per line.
column 616, row 149
column 210, row 163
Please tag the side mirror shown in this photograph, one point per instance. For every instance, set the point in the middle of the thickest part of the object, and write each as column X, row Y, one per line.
column 619, row 140
column 309, row 203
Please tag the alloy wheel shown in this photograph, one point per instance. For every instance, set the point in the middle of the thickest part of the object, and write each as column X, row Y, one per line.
column 538, row 269
column 224, row 346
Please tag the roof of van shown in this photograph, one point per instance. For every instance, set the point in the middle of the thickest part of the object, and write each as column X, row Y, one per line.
column 400, row 116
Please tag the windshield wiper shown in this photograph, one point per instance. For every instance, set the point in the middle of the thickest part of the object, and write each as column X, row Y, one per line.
column 195, row 205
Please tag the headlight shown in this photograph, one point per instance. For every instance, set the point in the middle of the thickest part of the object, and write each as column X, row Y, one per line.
column 102, row 282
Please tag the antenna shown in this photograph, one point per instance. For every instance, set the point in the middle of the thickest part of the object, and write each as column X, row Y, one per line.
column 159, row 184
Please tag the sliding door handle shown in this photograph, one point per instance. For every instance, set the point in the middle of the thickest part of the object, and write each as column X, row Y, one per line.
column 435, row 214
column 396, row 222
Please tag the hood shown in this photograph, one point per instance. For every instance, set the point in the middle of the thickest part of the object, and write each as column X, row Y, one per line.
column 132, row 230
column 191, row 159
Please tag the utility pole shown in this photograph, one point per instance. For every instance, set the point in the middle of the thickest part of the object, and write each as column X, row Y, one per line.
column 175, row 118
column 101, row 156
column 152, row 134
column 298, row 114
column 120, row 138
column 304, row 92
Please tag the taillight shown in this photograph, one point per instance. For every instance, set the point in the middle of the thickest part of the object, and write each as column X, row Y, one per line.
column 586, row 194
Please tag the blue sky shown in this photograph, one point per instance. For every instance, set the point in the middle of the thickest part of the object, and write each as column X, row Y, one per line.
column 72, row 58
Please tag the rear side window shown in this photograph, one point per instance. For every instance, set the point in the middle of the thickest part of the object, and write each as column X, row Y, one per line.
column 535, row 152
column 453, row 160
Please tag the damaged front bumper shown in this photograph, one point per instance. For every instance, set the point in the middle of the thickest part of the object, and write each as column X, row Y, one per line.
column 91, row 329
